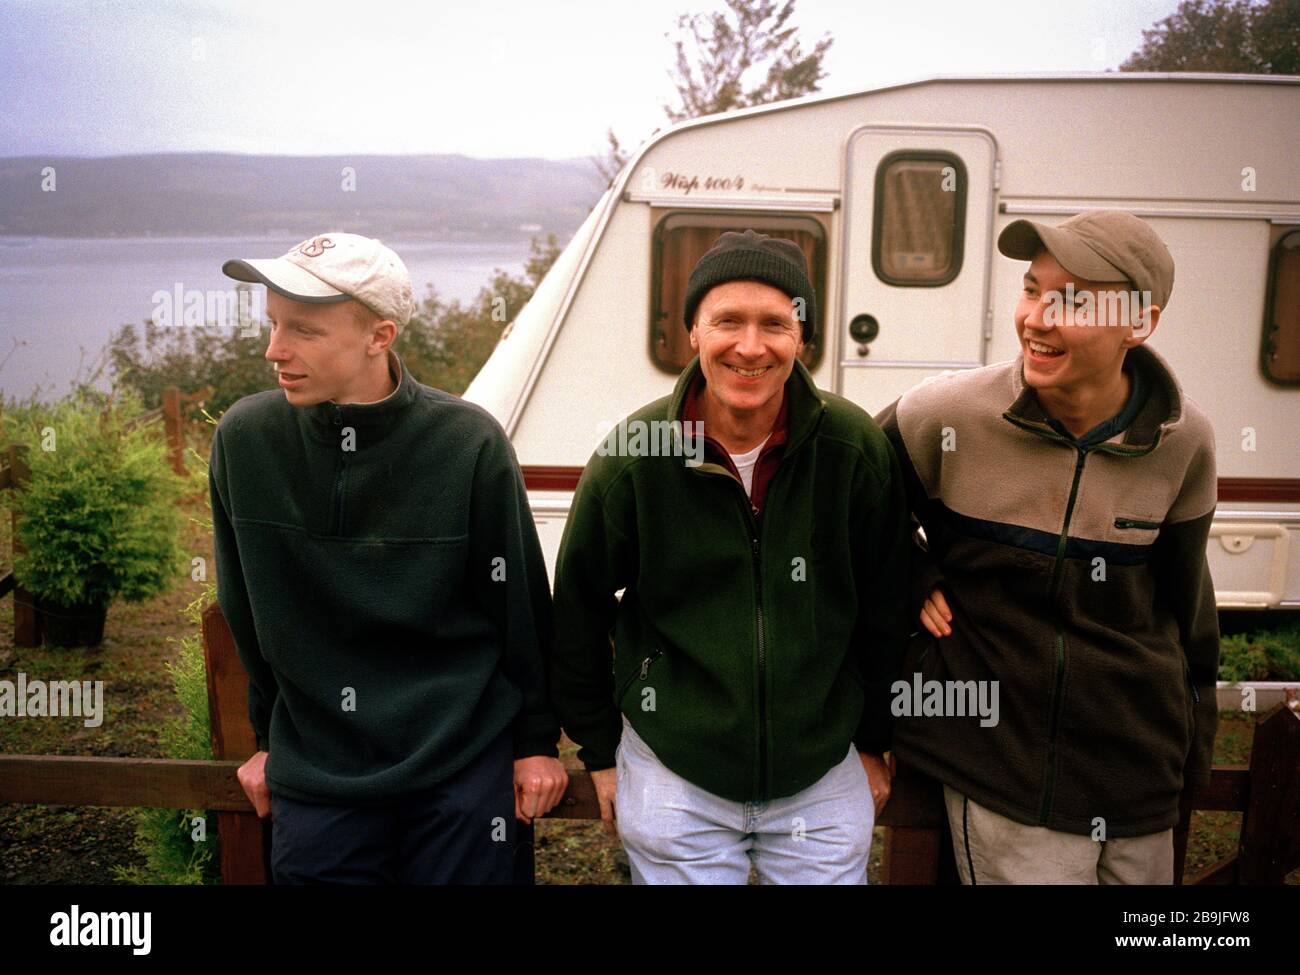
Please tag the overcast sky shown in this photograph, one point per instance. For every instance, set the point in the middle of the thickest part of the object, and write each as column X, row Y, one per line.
column 484, row 78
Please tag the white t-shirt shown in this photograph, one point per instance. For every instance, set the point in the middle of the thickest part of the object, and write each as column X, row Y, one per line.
column 746, row 462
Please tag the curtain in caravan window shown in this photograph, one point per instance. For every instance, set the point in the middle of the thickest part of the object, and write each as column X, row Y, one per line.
column 918, row 218
column 1282, row 332
column 683, row 238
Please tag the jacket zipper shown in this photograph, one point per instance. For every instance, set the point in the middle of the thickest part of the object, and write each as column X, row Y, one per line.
column 1046, row 432
column 338, row 479
column 1135, row 523
column 753, row 529
column 790, row 450
column 762, row 677
column 643, row 673
column 1058, row 685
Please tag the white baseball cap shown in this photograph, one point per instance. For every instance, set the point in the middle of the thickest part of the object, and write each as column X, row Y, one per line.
column 335, row 267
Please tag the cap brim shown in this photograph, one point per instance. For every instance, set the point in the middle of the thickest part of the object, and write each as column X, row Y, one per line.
column 283, row 277
column 1022, row 239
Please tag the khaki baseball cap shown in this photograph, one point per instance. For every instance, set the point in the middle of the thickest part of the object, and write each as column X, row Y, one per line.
column 335, row 267
column 1099, row 245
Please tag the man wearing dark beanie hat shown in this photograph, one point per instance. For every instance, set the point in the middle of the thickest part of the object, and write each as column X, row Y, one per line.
column 756, row 526
column 756, row 257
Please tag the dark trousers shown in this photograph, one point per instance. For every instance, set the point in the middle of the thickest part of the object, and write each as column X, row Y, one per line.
column 462, row 831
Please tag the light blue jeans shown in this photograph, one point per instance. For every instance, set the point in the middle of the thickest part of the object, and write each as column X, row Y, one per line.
column 677, row 833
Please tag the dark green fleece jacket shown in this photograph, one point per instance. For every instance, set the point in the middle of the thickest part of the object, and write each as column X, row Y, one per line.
column 747, row 652
column 380, row 571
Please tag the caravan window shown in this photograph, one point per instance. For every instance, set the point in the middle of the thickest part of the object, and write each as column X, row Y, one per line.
column 1281, row 352
column 919, row 218
column 681, row 239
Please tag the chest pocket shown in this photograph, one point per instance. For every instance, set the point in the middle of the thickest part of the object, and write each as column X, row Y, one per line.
column 1136, row 529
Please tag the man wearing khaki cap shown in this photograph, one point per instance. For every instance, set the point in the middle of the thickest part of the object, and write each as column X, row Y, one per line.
column 1066, row 498
column 381, row 575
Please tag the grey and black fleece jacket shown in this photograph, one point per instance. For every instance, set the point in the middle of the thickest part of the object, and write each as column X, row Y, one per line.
column 1076, row 573
column 380, row 571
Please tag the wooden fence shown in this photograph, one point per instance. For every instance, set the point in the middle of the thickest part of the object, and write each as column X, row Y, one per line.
column 917, row 847
column 14, row 473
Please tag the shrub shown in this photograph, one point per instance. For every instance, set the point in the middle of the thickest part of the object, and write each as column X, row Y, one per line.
column 100, row 516
column 1264, row 655
column 150, row 359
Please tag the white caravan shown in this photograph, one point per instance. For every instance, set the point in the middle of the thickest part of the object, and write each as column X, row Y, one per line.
column 897, row 196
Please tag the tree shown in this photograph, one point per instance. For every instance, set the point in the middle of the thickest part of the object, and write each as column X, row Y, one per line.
column 1232, row 36
column 611, row 164
column 445, row 344
column 729, row 47
column 747, row 54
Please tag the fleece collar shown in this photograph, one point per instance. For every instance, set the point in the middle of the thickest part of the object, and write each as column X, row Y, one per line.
column 371, row 421
column 1159, row 415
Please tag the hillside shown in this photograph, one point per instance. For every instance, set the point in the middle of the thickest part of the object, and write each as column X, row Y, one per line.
column 208, row 194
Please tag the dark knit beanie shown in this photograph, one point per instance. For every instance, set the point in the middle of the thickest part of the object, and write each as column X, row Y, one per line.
column 753, row 256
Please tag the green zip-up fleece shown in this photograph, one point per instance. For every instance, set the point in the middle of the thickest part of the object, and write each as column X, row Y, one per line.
column 1077, row 578
column 748, row 653
column 380, row 571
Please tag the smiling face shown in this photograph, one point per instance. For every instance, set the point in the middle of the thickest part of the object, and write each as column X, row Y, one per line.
column 1073, row 359
column 325, row 352
column 748, row 337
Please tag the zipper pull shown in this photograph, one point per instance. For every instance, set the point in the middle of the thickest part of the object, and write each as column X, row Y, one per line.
column 1195, row 696
column 645, row 664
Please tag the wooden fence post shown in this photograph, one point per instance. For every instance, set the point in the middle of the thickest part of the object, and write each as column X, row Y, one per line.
column 1268, row 826
column 27, row 625
column 245, row 837
column 172, row 426
column 922, row 853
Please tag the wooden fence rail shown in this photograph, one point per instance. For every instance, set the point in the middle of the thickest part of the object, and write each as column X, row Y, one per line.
column 917, row 846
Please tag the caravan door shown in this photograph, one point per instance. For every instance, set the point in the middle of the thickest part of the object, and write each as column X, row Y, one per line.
column 918, row 231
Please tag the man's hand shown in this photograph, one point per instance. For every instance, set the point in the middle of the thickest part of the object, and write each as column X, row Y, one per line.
column 935, row 614
column 606, row 782
column 879, row 775
column 252, row 776
column 540, row 782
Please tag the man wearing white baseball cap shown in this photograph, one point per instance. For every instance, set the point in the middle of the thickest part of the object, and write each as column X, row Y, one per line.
column 1066, row 497
column 379, row 569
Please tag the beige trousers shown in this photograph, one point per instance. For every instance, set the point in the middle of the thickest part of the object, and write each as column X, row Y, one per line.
column 998, row 850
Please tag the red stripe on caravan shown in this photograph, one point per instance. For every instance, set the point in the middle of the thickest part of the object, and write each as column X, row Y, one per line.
column 541, row 477
column 1259, row 489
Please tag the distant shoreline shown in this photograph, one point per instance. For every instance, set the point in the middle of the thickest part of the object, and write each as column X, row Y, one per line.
column 498, row 238
column 200, row 195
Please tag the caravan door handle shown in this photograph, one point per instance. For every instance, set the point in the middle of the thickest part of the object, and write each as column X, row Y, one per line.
column 864, row 329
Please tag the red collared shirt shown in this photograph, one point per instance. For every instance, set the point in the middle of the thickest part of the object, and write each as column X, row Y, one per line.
column 768, row 460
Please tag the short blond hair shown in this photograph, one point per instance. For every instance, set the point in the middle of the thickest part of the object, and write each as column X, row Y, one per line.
column 363, row 314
